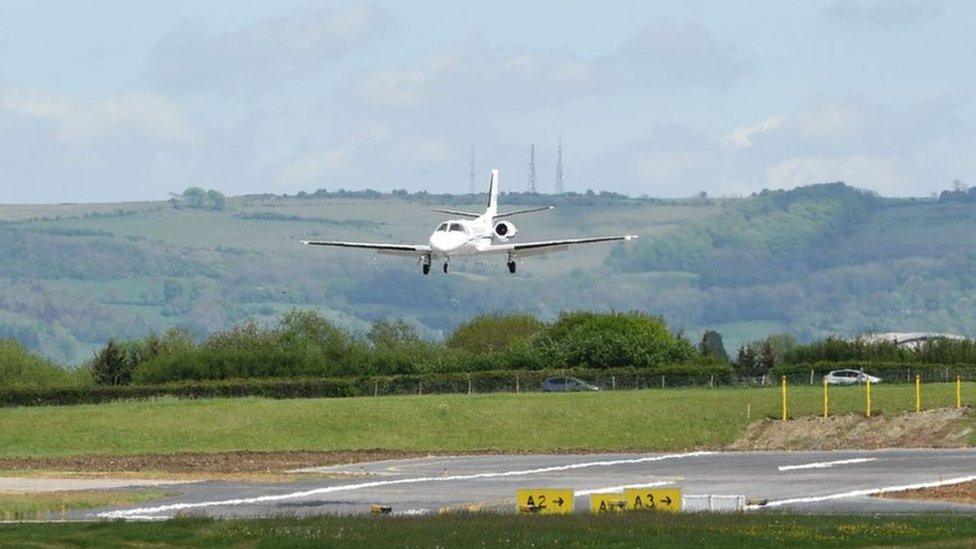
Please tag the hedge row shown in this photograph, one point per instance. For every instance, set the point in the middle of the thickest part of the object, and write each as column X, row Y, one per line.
column 475, row 382
column 889, row 372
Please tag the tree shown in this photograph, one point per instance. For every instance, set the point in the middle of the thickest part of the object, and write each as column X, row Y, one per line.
column 711, row 346
column 782, row 344
column 493, row 332
column 389, row 334
column 767, row 358
column 110, row 366
column 613, row 340
column 195, row 198
column 217, row 200
column 746, row 360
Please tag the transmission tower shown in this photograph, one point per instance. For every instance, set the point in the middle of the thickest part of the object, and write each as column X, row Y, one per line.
column 471, row 187
column 532, row 168
column 559, row 167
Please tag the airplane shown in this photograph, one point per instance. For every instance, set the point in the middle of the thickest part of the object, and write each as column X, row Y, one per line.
column 477, row 235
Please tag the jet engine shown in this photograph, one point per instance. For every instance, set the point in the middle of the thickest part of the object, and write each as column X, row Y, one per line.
column 505, row 230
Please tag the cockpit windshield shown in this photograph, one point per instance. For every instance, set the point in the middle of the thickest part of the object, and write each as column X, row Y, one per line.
column 442, row 227
column 457, row 227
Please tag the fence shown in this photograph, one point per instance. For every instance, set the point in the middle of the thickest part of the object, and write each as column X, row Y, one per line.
column 475, row 383
column 868, row 401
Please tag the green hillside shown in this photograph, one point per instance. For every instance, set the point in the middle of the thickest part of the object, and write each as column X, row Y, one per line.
column 817, row 260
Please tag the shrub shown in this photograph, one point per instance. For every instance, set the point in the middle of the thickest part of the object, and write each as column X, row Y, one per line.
column 613, row 340
column 20, row 367
column 491, row 333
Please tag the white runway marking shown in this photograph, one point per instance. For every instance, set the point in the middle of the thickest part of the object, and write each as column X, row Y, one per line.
column 867, row 492
column 380, row 483
column 611, row 489
column 824, row 464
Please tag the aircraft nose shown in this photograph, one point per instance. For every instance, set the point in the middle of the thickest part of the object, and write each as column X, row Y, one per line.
column 439, row 241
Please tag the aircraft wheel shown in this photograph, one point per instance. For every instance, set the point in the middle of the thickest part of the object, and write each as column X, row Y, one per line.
column 445, row 267
column 511, row 267
column 426, row 268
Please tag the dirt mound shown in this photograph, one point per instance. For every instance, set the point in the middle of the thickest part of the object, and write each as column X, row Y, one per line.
column 942, row 428
column 222, row 462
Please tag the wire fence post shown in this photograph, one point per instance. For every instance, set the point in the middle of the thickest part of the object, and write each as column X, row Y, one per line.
column 958, row 391
column 420, row 387
column 516, row 383
column 811, row 377
column 613, row 382
column 783, row 383
column 376, row 387
column 469, row 385
column 826, row 398
column 918, row 393
column 662, row 382
column 867, row 387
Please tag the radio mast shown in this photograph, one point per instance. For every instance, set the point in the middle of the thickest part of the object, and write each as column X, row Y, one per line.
column 471, row 186
column 559, row 168
column 532, row 188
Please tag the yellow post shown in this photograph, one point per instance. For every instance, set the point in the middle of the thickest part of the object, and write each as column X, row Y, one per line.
column 918, row 393
column 868, row 389
column 958, row 391
column 826, row 398
column 783, row 382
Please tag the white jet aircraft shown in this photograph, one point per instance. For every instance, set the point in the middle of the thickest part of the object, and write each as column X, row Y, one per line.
column 480, row 234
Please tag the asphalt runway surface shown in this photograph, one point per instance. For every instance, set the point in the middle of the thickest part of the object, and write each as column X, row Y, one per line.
column 804, row 482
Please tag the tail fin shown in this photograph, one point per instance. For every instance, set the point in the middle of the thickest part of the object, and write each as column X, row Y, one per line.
column 492, row 210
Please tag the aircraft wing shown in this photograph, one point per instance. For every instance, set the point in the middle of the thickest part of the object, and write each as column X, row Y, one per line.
column 548, row 246
column 391, row 249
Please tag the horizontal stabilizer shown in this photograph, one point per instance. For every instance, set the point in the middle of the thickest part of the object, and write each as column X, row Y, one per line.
column 525, row 211
column 456, row 212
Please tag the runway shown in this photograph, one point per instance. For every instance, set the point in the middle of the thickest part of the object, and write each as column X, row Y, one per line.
column 804, row 482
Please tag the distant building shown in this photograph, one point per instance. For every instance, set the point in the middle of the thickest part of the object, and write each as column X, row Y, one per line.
column 906, row 339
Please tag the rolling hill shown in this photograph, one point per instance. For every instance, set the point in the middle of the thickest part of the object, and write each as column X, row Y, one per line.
column 816, row 260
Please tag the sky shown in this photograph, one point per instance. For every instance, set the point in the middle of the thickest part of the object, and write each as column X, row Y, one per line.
column 131, row 100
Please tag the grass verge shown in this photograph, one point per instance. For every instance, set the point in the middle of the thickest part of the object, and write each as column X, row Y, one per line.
column 613, row 421
column 627, row 530
column 57, row 504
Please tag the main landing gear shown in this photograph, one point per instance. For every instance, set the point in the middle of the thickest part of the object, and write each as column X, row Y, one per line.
column 425, row 264
column 445, row 267
column 511, row 263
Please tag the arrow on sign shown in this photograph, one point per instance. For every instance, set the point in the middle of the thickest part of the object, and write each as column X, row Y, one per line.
column 559, row 501
column 667, row 501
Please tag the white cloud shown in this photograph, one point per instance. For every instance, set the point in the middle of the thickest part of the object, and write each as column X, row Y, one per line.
column 668, row 54
column 145, row 115
column 741, row 137
column 263, row 53
column 397, row 88
column 883, row 12
column 661, row 56
column 313, row 168
column 882, row 174
column 831, row 122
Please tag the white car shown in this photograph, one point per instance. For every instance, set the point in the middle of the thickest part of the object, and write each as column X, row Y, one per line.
column 849, row 377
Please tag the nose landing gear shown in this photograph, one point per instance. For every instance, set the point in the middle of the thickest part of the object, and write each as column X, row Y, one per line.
column 445, row 267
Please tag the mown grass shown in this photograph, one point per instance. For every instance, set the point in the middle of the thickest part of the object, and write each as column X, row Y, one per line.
column 611, row 420
column 628, row 530
column 56, row 504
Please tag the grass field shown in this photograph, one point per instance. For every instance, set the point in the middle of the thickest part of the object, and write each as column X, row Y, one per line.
column 628, row 530
column 612, row 420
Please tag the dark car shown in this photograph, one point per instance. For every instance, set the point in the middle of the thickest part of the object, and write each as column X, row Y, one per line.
column 566, row 384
